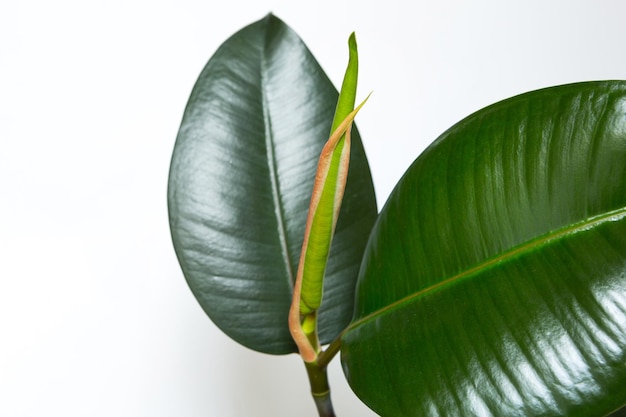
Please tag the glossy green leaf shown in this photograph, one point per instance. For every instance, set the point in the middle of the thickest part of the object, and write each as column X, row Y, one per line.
column 494, row 283
column 240, row 181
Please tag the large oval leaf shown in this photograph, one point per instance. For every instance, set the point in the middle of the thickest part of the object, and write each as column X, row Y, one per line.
column 494, row 283
column 240, row 182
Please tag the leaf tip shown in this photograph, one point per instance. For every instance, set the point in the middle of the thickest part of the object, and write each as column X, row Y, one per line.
column 352, row 41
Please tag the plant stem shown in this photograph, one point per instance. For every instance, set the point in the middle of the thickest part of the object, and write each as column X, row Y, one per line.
column 325, row 356
column 320, row 390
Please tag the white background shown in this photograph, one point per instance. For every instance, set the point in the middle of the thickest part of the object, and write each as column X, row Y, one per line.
column 95, row 316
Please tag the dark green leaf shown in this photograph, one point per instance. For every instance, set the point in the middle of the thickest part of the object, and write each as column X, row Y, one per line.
column 495, row 280
column 240, row 182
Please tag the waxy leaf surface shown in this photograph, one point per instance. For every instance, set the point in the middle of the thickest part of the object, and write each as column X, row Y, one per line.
column 240, row 182
column 494, row 283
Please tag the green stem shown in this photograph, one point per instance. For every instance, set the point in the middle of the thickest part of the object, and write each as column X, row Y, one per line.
column 324, row 358
column 320, row 390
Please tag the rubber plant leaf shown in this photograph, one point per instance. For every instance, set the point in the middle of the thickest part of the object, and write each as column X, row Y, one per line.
column 494, row 283
column 328, row 189
column 324, row 210
column 324, row 206
column 240, row 180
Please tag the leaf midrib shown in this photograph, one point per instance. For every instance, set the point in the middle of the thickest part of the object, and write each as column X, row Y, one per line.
column 530, row 246
column 273, row 171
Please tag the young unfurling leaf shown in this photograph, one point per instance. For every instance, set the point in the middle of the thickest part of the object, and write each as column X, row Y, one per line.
column 330, row 182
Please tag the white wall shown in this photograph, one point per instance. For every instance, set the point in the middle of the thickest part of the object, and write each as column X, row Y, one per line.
column 95, row 317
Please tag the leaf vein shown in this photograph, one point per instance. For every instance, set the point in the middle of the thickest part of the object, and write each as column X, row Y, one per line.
column 527, row 247
column 273, row 174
